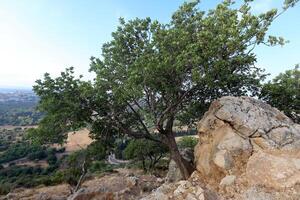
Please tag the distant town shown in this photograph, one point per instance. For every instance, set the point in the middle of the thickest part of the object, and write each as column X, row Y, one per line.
column 17, row 95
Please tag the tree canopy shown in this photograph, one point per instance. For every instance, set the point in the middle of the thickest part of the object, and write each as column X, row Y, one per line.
column 283, row 92
column 151, row 74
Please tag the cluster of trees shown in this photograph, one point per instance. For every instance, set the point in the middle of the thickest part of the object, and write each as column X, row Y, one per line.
column 10, row 136
column 24, row 149
column 67, row 169
column 152, row 74
column 14, row 175
column 19, row 113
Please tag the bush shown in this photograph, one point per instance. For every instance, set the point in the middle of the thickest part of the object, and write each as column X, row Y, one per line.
column 74, row 165
column 187, row 142
column 97, row 151
column 4, row 189
column 21, row 150
column 100, row 166
column 61, row 150
column 51, row 159
column 38, row 155
column 146, row 151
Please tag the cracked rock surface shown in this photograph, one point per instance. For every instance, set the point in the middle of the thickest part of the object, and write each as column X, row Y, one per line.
column 247, row 138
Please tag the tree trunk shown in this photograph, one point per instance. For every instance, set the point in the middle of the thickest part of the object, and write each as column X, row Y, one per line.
column 144, row 165
column 82, row 176
column 185, row 167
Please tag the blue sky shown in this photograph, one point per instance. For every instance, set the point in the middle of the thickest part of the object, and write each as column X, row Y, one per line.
column 38, row 36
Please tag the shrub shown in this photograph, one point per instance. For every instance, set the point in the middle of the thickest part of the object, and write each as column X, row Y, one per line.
column 146, row 151
column 21, row 149
column 97, row 150
column 61, row 150
column 187, row 142
column 38, row 155
column 100, row 166
column 51, row 159
column 4, row 189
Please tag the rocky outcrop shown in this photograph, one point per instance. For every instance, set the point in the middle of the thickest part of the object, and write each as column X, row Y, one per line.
column 246, row 143
column 184, row 189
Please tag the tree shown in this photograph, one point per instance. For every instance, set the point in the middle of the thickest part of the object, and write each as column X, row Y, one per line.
column 283, row 92
column 145, row 151
column 151, row 74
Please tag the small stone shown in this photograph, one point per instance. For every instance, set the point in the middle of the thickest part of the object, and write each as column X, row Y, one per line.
column 129, row 174
column 133, row 180
column 191, row 197
column 223, row 159
column 160, row 180
column 228, row 180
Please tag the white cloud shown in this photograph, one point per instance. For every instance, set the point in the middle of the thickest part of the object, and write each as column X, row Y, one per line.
column 260, row 6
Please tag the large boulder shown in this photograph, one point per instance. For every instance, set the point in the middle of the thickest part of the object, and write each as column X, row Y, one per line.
column 250, row 140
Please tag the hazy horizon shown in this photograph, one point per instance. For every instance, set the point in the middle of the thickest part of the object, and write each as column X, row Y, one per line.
column 50, row 35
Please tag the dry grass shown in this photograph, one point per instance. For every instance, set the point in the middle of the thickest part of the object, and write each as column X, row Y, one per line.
column 78, row 140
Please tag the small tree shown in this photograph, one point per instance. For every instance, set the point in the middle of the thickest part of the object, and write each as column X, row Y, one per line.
column 283, row 92
column 146, row 151
column 76, row 169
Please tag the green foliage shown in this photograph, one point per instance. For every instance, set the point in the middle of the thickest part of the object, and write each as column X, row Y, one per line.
column 146, row 151
column 4, row 188
column 76, row 166
column 37, row 155
column 19, row 113
column 152, row 73
column 20, row 150
column 22, row 176
column 100, row 167
column 51, row 159
column 283, row 92
column 98, row 150
column 64, row 99
column 10, row 136
column 187, row 142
